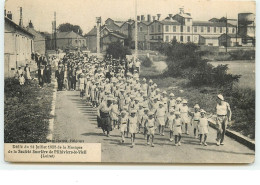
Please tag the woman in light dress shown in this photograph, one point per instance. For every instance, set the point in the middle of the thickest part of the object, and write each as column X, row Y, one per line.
column 132, row 125
column 203, row 127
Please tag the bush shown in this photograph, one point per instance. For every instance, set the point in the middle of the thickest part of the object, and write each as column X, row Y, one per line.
column 147, row 62
column 242, row 55
column 185, row 60
column 26, row 112
column 117, row 50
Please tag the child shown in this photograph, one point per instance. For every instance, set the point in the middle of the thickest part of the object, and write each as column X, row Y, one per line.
column 184, row 110
column 132, row 124
column 123, row 124
column 171, row 102
column 150, row 126
column 169, row 121
column 81, row 85
column 164, row 99
column 195, row 119
column 178, row 104
column 203, row 127
column 177, row 128
column 140, row 113
column 21, row 79
column 160, row 117
column 144, row 119
column 114, row 114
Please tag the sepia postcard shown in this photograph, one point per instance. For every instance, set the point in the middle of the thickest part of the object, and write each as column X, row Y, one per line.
column 133, row 81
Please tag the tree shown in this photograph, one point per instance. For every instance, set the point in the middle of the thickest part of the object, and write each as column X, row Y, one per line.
column 116, row 49
column 66, row 27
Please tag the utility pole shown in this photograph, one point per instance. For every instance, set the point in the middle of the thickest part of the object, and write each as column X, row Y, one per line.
column 55, row 32
column 98, row 21
column 136, row 37
column 226, row 33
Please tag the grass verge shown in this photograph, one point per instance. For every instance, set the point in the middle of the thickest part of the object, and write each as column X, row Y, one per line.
column 26, row 112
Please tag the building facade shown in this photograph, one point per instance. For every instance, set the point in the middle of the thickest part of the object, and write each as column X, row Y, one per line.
column 70, row 40
column 18, row 46
column 39, row 40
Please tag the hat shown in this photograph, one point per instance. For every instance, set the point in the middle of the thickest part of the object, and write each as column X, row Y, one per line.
column 155, row 85
column 123, row 112
column 184, row 101
column 122, row 90
column 137, row 99
column 202, row 111
column 177, row 113
column 220, row 96
column 196, row 106
column 150, row 81
column 133, row 111
column 178, row 99
column 171, row 94
column 160, row 103
column 164, row 92
column 144, row 80
column 171, row 110
column 150, row 113
column 157, row 90
column 146, row 109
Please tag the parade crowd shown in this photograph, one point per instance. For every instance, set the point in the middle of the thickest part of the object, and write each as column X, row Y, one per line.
column 134, row 105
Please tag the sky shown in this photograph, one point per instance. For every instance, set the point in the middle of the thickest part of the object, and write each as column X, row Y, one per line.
column 84, row 12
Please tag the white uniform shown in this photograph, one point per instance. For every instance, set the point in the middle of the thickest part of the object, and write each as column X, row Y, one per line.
column 177, row 126
column 123, row 123
column 195, row 119
column 171, row 119
column 114, row 112
column 184, row 114
column 150, row 126
column 203, row 126
column 132, row 124
column 160, row 116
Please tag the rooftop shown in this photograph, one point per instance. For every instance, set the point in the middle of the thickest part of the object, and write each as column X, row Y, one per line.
column 208, row 23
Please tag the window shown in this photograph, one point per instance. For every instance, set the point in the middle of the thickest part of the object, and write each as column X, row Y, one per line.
column 167, row 38
column 181, row 28
column 167, row 28
column 215, row 29
column 152, row 37
column 174, row 38
column 208, row 29
column 201, row 29
column 188, row 20
column 152, row 28
column 76, row 41
column 141, row 28
column 195, row 29
column 174, row 28
column 233, row 30
column 159, row 28
column 188, row 28
column 220, row 30
column 188, row 38
column 181, row 38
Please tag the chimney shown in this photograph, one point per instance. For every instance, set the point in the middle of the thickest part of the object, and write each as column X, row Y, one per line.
column 142, row 17
column 21, row 17
column 31, row 24
column 158, row 16
column 9, row 15
column 138, row 17
column 149, row 18
column 170, row 16
column 154, row 18
column 182, row 10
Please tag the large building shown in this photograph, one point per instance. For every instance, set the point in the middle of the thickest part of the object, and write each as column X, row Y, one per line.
column 18, row 45
column 39, row 39
column 70, row 40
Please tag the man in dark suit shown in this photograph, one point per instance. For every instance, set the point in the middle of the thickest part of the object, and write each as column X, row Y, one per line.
column 59, row 75
column 41, row 76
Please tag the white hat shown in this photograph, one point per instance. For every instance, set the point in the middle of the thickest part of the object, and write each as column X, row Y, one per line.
column 220, row 96
column 164, row 92
column 144, row 80
column 171, row 94
column 184, row 101
column 177, row 113
column 150, row 113
column 171, row 110
column 123, row 112
column 150, row 81
column 178, row 99
column 160, row 103
column 133, row 111
column 196, row 106
column 202, row 111
column 157, row 89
